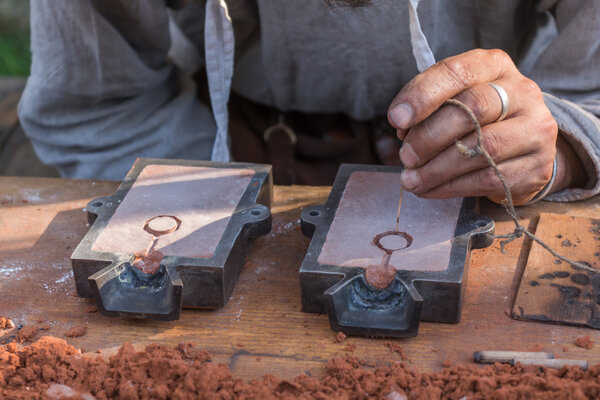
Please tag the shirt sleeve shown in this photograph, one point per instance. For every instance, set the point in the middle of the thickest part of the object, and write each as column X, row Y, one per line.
column 103, row 92
column 568, row 71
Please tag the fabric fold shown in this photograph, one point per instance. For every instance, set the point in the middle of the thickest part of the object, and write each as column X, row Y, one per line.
column 421, row 50
column 219, row 50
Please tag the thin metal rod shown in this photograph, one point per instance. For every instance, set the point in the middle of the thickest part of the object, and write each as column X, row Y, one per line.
column 551, row 363
column 399, row 207
column 490, row 357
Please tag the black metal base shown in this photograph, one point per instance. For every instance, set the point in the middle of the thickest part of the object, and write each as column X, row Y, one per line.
column 120, row 289
column 356, row 307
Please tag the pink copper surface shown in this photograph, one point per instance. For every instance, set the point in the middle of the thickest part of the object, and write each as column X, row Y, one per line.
column 368, row 208
column 203, row 199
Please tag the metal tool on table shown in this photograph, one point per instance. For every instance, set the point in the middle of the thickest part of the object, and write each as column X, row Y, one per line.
column 377, row 271
column 175, row 234
column 513, row 358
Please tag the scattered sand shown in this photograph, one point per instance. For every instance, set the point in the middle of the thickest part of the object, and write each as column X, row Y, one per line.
column 584, row 342
column 52, row 369
column 396, row 348
column 340, row 337
column 76, row 331
column 26, row 333
column 6, row 323
column 350, row 347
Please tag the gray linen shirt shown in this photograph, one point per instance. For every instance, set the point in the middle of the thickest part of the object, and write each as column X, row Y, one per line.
column 111, row 80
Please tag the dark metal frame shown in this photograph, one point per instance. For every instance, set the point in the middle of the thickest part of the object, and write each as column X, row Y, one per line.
column 120, row 289
column 356, row 307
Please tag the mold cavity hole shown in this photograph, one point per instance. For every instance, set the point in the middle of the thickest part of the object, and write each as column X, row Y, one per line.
column 481, row 224
column 97, row 204
column 314, row 213
column 255, row 212
column 393, row 242
column 162, row 225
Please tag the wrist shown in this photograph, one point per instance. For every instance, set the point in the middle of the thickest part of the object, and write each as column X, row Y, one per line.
column 570, row 171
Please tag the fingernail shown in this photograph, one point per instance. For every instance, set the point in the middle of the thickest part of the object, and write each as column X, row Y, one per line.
column 410, row 179
column 402, row 115
column 409, row 158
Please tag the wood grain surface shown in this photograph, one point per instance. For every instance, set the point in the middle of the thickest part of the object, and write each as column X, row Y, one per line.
column 554, row 291
column 261, row 330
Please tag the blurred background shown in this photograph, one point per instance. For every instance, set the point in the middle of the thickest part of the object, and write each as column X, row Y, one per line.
column 14, row 38
column 17, row 157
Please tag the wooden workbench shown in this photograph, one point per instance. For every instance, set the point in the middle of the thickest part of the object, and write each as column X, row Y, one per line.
column 261, row 330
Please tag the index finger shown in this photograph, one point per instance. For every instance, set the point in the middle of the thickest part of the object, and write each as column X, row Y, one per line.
column 426, row 92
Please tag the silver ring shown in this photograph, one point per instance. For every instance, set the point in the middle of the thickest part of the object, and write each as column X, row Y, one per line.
column 503, row 99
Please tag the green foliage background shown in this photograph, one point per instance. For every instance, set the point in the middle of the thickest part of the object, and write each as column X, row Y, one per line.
column 15, row 56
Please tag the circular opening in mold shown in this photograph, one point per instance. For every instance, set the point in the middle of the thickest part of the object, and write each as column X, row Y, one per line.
column 392, row 241
column 97, row 204
column 481, row 224
column 313, row 213
column 255, row 212
column 162, row 225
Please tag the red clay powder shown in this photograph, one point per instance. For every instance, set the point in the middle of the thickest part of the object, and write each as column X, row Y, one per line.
column 148, row 263
column 27, row 333
column 340, row 337
column 6, row 323
column 51, row 369
column 396, row 348
column 584, row 342
column 76, row 331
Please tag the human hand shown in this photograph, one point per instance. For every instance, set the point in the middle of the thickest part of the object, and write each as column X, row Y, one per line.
column 523, row 145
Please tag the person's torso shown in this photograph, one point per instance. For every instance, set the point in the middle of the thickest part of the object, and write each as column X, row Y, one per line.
column 307, row 56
